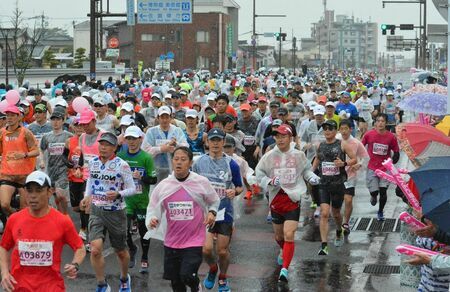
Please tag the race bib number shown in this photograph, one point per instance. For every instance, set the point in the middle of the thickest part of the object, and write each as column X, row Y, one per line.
column 160, row 142
column 56, row 149
column 329, row 169
column 220, row 189
column 36, row 253
column 295, row 115
column 380, row 149
column 181, row 211
column 88, row 158
column 100, row 200
column 249, row 140
column 286, row 175
column 138, row 185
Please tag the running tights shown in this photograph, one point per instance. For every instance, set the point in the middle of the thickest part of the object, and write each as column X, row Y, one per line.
column 383, row 199
column 145, row 243
column 84, row 218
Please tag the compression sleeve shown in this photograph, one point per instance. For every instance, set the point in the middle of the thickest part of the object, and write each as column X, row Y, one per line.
column 236, row 174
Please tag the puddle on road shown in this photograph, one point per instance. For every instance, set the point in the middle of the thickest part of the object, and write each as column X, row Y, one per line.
column 323, row 275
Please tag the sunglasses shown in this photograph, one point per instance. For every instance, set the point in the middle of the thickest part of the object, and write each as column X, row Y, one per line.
column 40, row 112
column 328, row 128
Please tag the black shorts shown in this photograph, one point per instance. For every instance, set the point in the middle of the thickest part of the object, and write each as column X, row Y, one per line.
column 291, row 215
column 332, row 195
column 179, row 262
column 224, row 228
column 350, row 191
column 76, row 190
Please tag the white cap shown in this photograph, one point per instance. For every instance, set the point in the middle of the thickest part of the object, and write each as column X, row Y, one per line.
column 133, row 131
column 311, row 104
column 100, row 100
column 85, row 94
column 330, row 103
column 38, row 177
column 191, row 113
column 127, row 106
column 156, row 95
column 164, row 110
column 319, row 110
column 399, row 86
column 212, row 96
column 61, row 102
column 168, row 96
column 389, row 92
column 24, row 102
column 172, row 89
column 126, row 120
column 262, row 91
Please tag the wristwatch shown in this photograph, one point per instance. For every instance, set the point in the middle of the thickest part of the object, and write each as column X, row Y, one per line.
column 76, row 265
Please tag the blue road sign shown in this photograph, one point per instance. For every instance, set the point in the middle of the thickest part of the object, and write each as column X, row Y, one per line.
column 164, row 11
column 170, row 55
column 130, row 12
column 162, row 57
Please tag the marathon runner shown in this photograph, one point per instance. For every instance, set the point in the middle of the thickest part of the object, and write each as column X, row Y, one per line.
column 282, row 172
column 36, row 252
column 110, row 181
column 224, row 174
column 381, row 144
column 184, row 203
column 144, row 175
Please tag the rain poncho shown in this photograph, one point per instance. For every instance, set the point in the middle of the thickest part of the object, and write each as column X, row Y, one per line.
column 198, row 187
column 291, row 167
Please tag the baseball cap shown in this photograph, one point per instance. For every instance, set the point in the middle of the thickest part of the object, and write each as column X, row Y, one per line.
column 39, row 177
column 158, row 96
column 216, row 133
column 109, row 137
column 164, row 110
column 24, row 102
column 262, row 99
column 331, row 123
column 87, row 116
column 183, row 92
column 245, row 107
column 126, row 120
column 322, row 99
column 12, row 109
column 389, row 92
column 277, row 122
column 230, row 141
column 168, row 96
column 61, row 102
column 399, row 86
column 191, row 113
column 127, row 106
column 345, row 93
column 262, row 91
column 133, row 131
column 319, row 110
column 275, row 103
column 100, row 100
column 283, row 130
column 282, row 111
column 311, row 104
column 330, row 103
column 58, row 113
column 212, row 96
column 85, row 94
column 40, row 107
column 278, row 93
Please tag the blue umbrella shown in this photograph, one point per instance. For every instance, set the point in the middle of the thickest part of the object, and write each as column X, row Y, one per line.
column 433, row 182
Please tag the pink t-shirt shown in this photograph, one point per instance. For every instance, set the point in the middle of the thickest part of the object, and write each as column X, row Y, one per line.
column 361, row 152
column 185, row 218
column 379, row 147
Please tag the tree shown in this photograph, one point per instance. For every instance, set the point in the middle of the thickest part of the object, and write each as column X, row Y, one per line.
column 22, row 41
column 49, row 59
column 79, row 58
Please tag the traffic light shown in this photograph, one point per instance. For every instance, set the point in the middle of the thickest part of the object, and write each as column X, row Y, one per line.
column 385, row 27
column 283, row 36
column 280, row 36
column 277, row 35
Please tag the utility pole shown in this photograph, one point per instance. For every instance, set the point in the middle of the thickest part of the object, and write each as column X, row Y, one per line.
column 279, row 53
column 294, row 55
column 254, row 36
column 92, row 56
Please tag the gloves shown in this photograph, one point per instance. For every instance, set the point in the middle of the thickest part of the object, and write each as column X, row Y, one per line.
column 314, row 180
column 275, row 181
column 344, row 115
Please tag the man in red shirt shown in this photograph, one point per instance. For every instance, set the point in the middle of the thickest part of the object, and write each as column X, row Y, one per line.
column 380, row 144
column 185, row 103
column 36, row 253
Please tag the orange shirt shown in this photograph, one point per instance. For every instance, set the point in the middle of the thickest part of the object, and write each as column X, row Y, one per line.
column 21, row 141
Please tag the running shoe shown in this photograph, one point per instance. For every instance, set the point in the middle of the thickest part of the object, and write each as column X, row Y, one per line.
column 248, row 195
column 317, row 212
column 380, row 216
column 373, row 200
column 103, row 288
column 323, row 251
column 346, row 229
column 125, row 286
column 223, row 286
column 144, row 267
column 280, row 258
column 283, row 275
column 133, row 253
column 134, row 227
column 82, row 235
column 87, row 246
column 313, row 205
column 339, row 240
column 210, row 280
column 269, row 219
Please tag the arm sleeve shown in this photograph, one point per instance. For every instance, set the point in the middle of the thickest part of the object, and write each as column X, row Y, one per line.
column 236, row 174
column 44, row 145
column 65, row 158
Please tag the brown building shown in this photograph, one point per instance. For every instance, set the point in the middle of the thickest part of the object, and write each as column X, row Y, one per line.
column 209, row 42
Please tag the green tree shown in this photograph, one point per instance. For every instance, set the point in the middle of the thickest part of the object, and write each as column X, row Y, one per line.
column 79, row 58
column 49, row 59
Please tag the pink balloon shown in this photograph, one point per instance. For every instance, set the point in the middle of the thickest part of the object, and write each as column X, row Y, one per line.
column 79, row 104
column 3, row 105
column 12, row 97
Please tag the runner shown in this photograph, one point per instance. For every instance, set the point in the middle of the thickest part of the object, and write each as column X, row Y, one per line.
column 19, row 150
column 389, row 107
column 184, row 203
column 105, row 121
column 224, row 175
column 195, row 136
column 52, row 147
column 345, row 129
column 331, row 161
column 380, row 143
column 144, row 175
column 365, row 107
column 282, row 172
column 108, row 214
column 36, row 252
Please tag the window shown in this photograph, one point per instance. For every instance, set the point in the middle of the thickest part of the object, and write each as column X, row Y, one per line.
column 145, row 37
column 202, row 62
column 352, row 41
column 202, row 36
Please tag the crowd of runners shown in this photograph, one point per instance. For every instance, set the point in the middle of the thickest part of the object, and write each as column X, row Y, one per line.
column 166, row 158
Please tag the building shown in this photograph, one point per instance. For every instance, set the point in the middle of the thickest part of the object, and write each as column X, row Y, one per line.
column 209, row 42
column 81, row 34
column 345, row 42
column 264, row 57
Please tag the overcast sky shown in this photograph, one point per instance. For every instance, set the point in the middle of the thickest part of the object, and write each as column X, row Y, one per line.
column 299, row 14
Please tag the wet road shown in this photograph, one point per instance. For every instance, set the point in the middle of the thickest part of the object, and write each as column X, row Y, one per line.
column 253, row 255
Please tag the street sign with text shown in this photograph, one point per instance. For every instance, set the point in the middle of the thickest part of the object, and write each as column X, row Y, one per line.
column 131, row 20
column 164, row 11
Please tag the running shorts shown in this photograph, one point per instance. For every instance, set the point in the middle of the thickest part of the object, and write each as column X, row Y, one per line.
column 181, row 262
column 113, row 222
column 332, row 195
